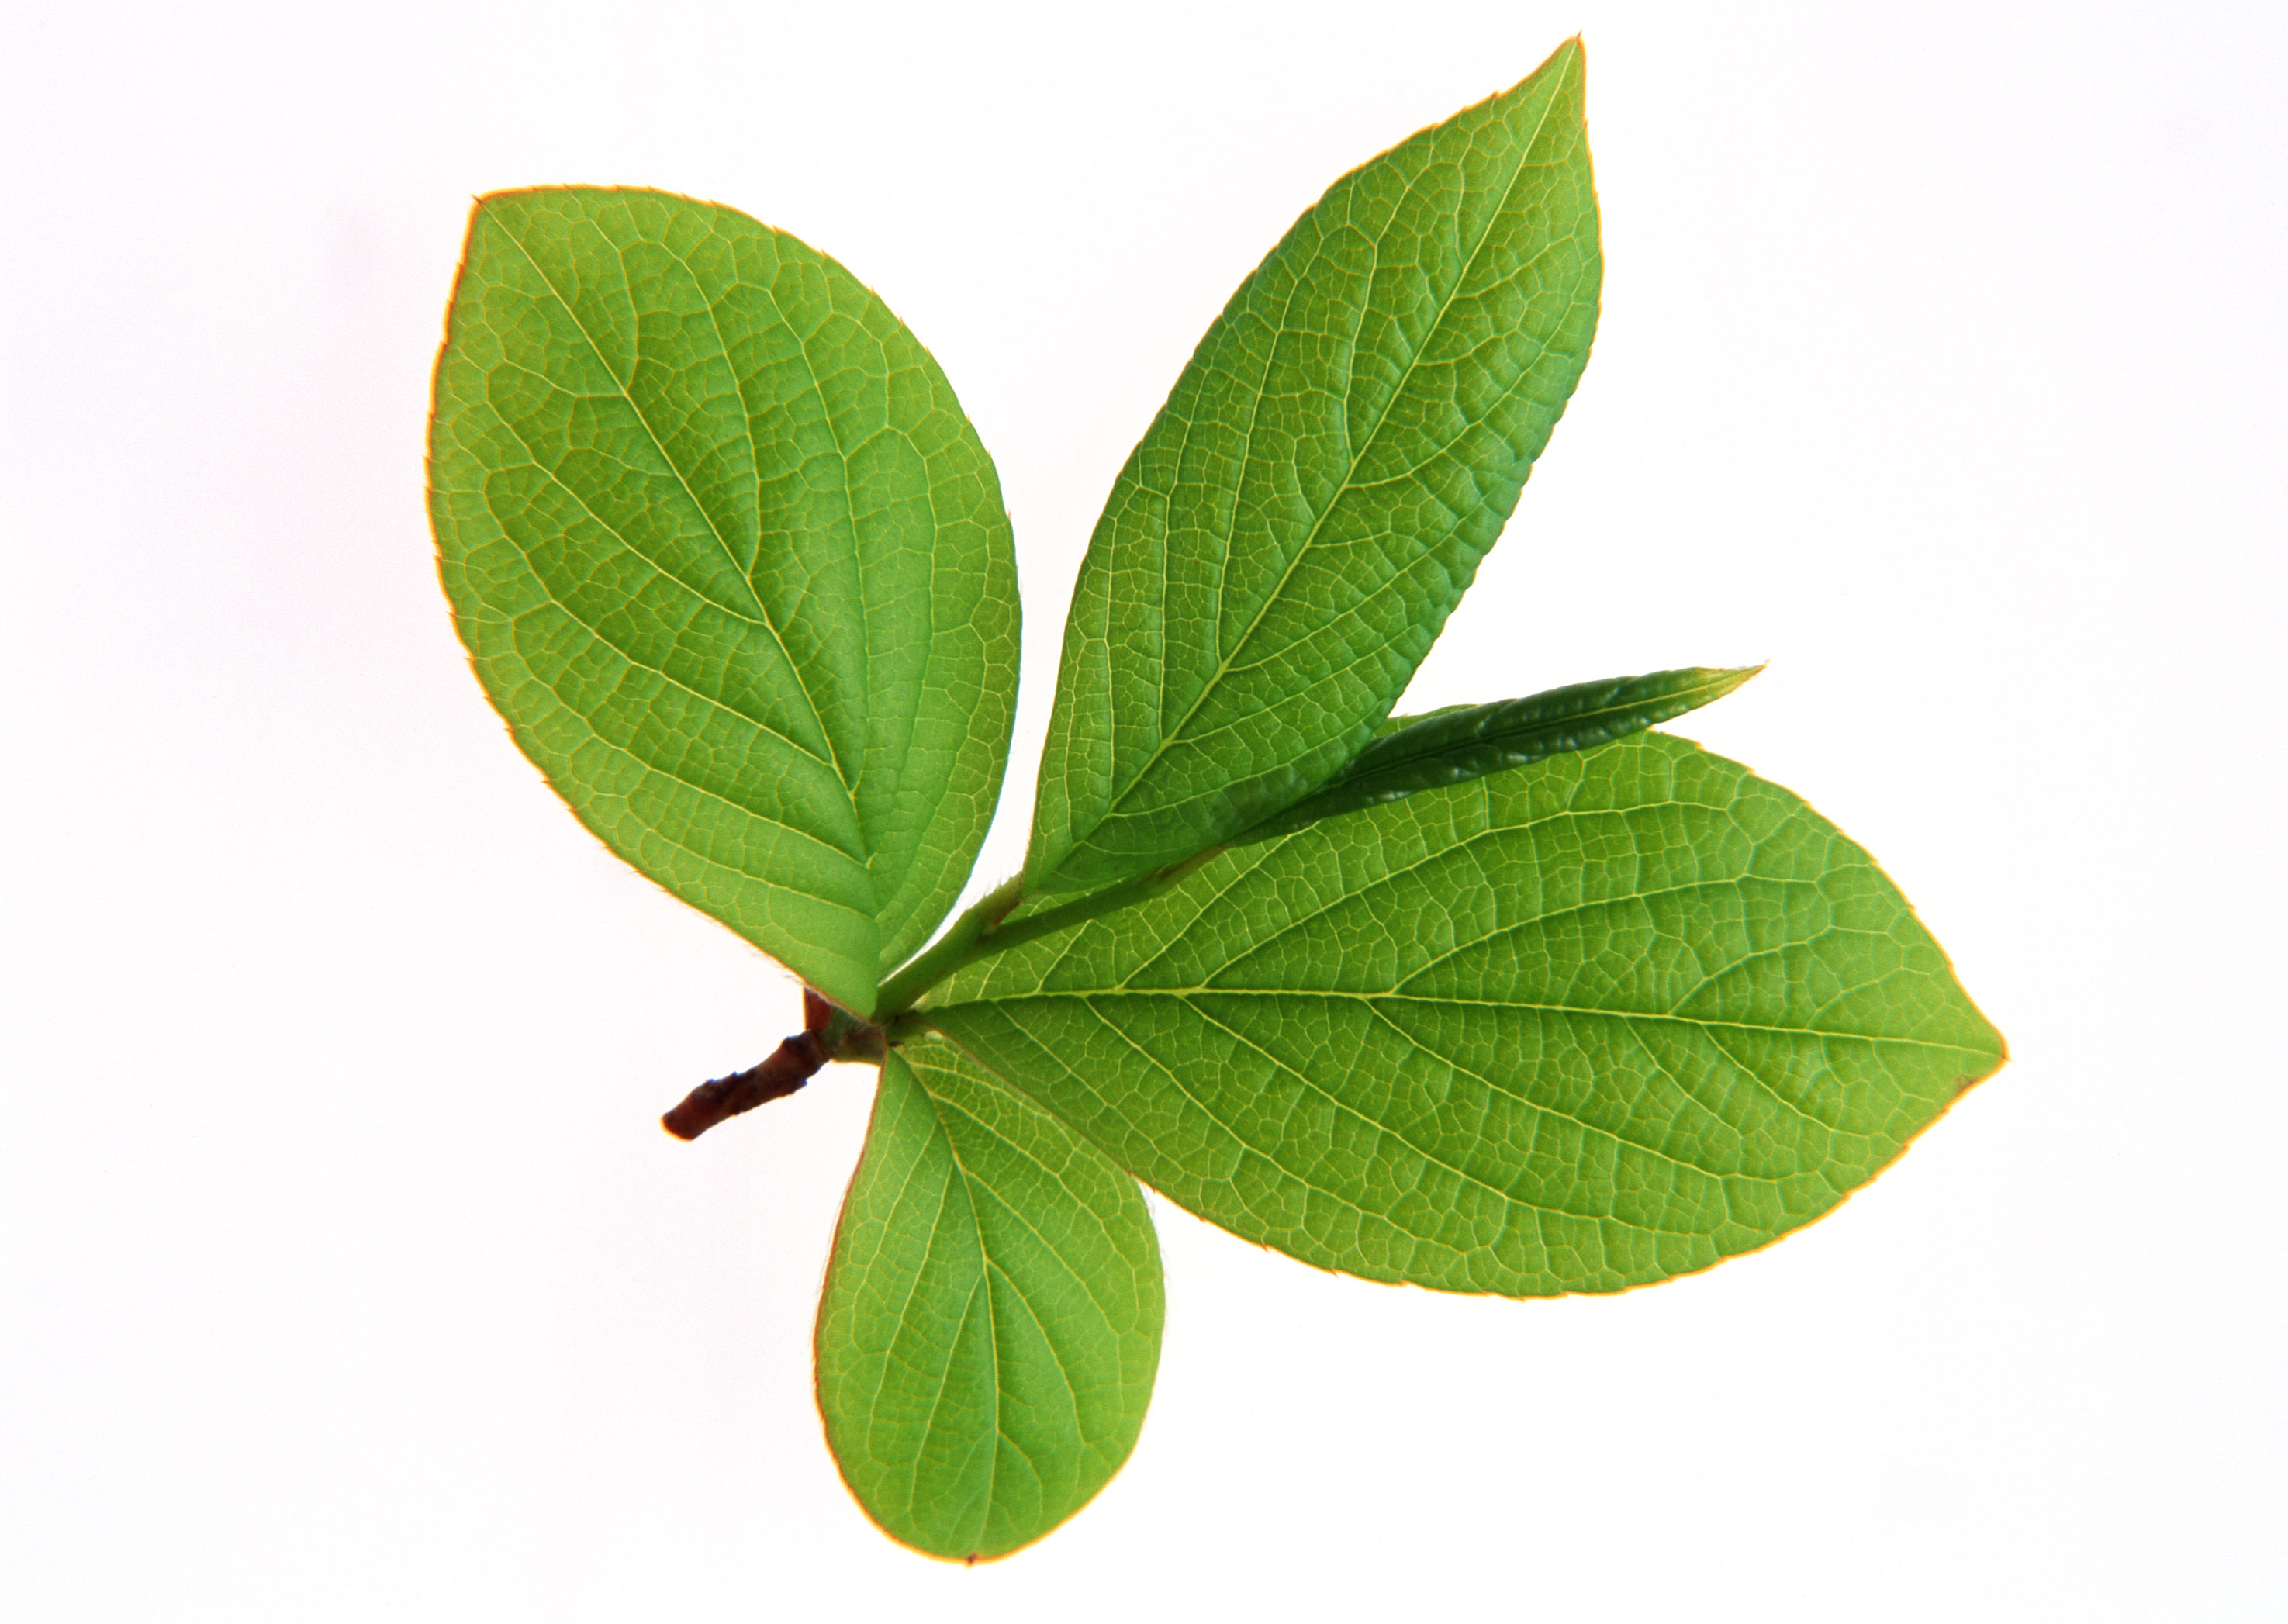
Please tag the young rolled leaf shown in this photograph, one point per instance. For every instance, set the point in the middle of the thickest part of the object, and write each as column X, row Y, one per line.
column 731, row 562
column 1573, row 1027
column 1287, row 540
column 1465, row 741
column 991, row 1321
column 1408, row 754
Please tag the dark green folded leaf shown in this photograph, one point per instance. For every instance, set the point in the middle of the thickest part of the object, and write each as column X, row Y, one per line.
column 1284, row 545
column 1461, row 742
column 991, row 1321
column 732, row 563
column 1587, row 1025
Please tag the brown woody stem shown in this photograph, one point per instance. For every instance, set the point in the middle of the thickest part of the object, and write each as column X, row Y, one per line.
column 788, row 1068
column 829, row 1035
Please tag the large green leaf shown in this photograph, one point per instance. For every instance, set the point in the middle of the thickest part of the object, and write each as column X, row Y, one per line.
column 991, row 1321
column 1574, row 1027
column 732, row 563
column 1284, row 545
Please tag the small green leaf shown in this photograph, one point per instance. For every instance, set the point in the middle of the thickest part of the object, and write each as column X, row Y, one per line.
column 1461, row 742
column 731, row 562
column 1582, row 1026
column 991, row 1321
column 1284, row 545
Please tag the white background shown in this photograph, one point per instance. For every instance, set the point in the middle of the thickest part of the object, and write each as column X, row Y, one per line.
column 344, row 1275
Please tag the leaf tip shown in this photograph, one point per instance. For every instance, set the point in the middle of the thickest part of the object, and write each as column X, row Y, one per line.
column 1731, row 679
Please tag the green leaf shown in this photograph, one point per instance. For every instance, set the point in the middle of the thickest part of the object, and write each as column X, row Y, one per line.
column 1582, row 1026
column 1284, row 545
column 731, row 562
column 991, row 1321
column 1461, row 742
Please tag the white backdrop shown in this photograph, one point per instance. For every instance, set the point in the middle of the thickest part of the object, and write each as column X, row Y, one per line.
column 344, row 1275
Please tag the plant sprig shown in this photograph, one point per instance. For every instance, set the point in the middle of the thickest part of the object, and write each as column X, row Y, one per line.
column 1520, row 997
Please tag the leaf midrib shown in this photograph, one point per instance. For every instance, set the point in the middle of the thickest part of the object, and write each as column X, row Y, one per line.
column 913, row 1288
column 986, row 1271
column 971, row 1185
column 1186, row 994
column 1379, row 1126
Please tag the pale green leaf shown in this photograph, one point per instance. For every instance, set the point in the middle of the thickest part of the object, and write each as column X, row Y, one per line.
column 1574, row 1027
column 1284, row 545
column 1461, row 742
column 731, row 562
column 991, row 1321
